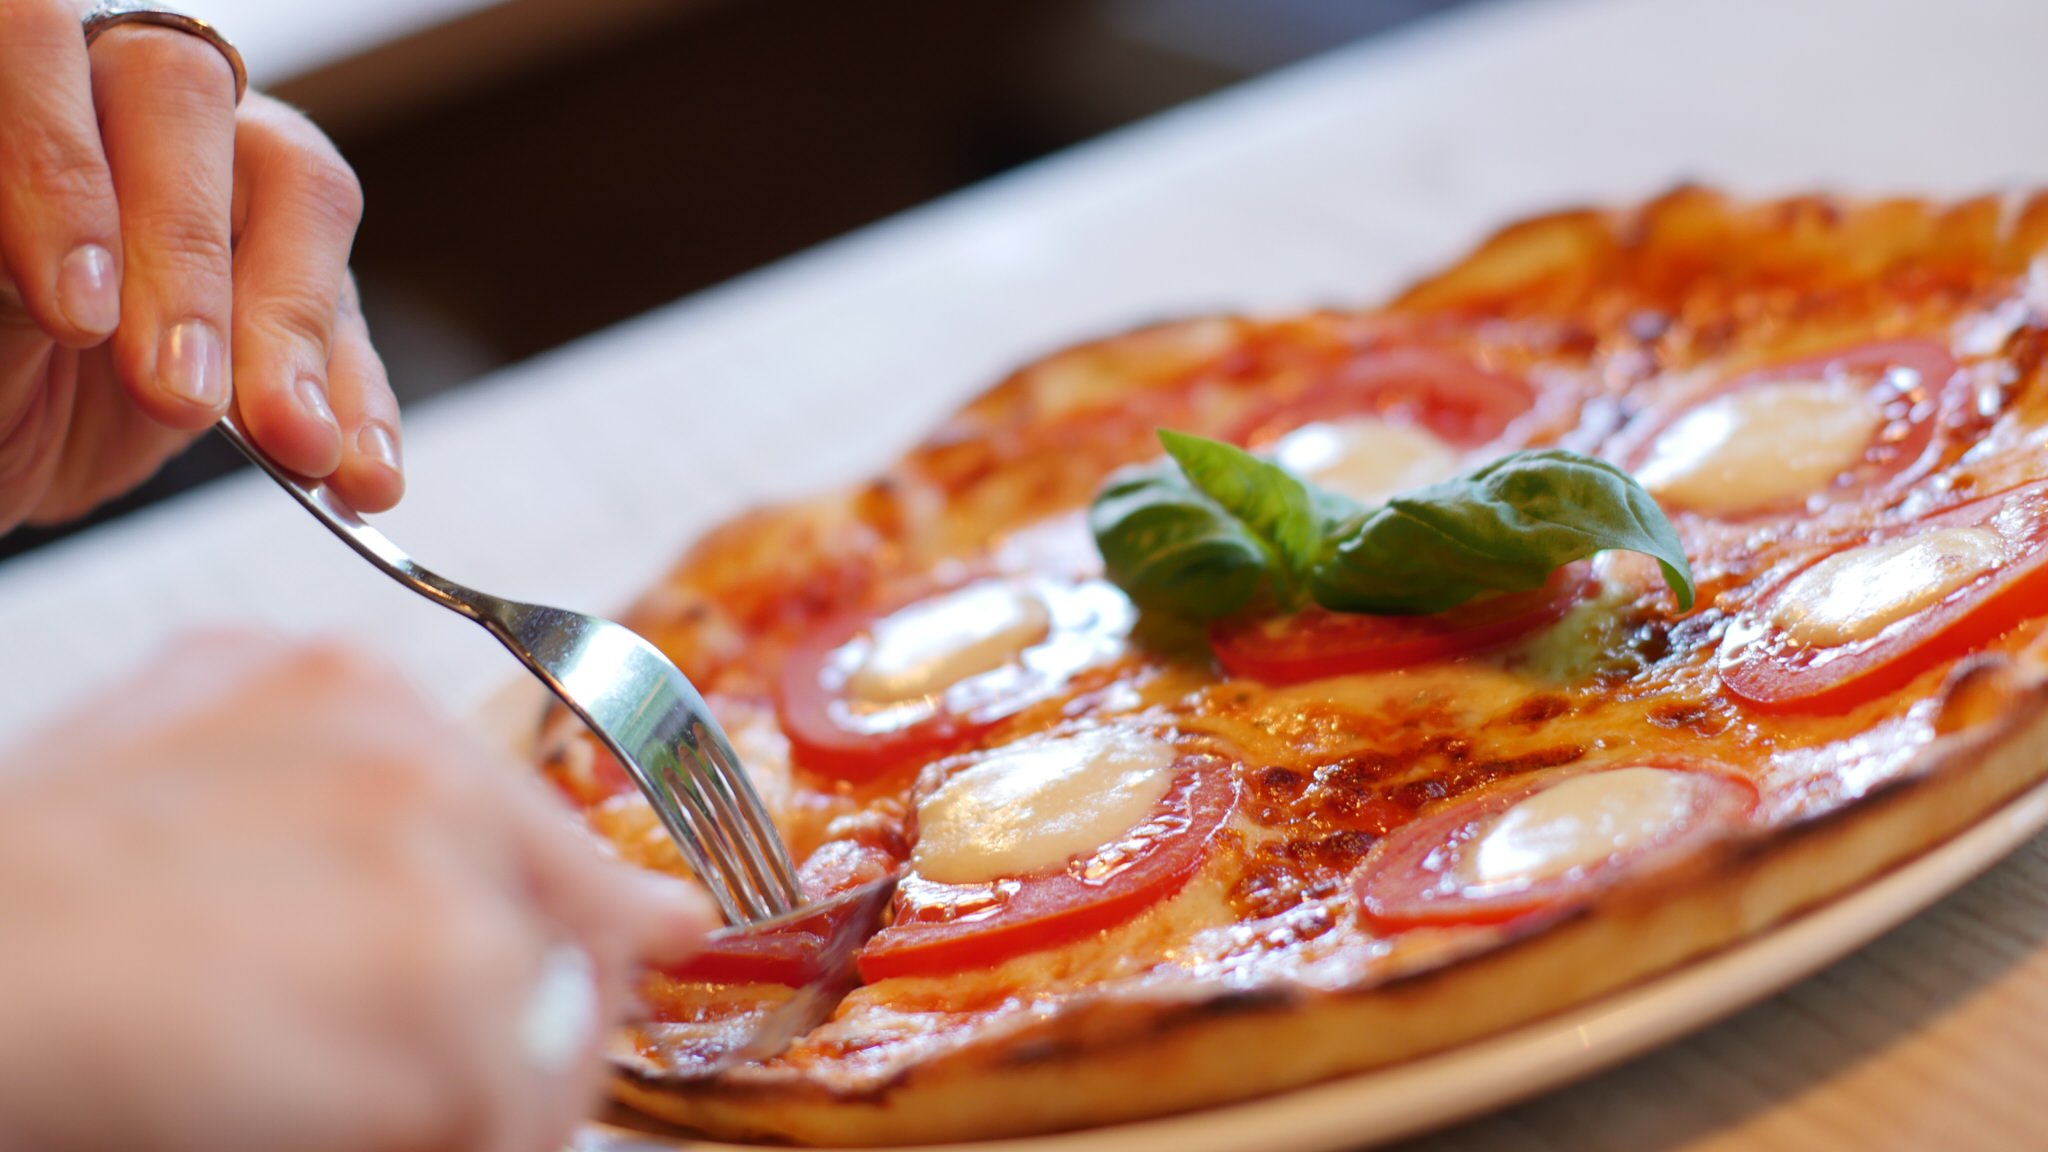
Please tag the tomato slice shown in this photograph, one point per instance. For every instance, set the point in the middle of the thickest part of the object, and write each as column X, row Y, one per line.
column 1316, row 643
column 1454, row 398
column 834, row 734
column 1906, row 381
column 942, row 928
column 802, row 948
column 1425, row 873
column 1759, row 662
column 787, row 955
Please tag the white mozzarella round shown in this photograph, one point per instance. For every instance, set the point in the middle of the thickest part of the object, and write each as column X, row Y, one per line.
column 1759, row 446
column 1578, row 823
column 1856, row 594
column 1366, row 459
column 1037, row 804
column 929, row 646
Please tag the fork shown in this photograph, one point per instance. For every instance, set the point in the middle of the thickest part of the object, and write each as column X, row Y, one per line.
column 643, row 709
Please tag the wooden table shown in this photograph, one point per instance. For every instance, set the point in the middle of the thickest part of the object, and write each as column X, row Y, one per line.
column 574, row 478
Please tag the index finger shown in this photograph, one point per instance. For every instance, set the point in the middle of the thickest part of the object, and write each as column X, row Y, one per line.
column 623, row 915
column 59, row 224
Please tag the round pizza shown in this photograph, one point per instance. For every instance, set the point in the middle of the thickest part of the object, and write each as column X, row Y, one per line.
column 1241, row 703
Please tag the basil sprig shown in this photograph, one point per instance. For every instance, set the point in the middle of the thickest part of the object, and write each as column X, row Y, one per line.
column 1172, row 548
column 1214, row 530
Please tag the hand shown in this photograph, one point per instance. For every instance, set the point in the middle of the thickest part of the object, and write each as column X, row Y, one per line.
column 260, row 897
column 152, row 238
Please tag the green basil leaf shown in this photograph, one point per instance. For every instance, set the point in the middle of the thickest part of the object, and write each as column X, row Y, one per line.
column 1173, row 549
column 1334, row 511
column 1266, row 498
column 1502, row 528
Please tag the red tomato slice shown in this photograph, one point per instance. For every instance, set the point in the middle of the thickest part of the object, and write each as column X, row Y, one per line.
column 788, row 957
column 1418, row 875
column 1907, row 380
column 943, row 928
column 1317, row 643
column 1764, row 666
column 799, row 949
column 834, row 735
column 1462, row 403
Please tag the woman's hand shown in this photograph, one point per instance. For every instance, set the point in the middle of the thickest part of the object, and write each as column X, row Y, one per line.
column 160, row 251
column 261, row 898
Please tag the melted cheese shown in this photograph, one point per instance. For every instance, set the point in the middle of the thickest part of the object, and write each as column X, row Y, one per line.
column 1037, row 804
column 1854, row 595
column 1579, row 823
column 933, row 644
column 1367, row 460
column 1760, row 446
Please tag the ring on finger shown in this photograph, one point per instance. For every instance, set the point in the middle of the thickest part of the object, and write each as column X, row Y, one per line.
column 114, row 13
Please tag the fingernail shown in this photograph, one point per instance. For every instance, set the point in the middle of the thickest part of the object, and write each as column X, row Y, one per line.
column 375, row 441
column 313, row 399
column 193, row 365
column 86, row 291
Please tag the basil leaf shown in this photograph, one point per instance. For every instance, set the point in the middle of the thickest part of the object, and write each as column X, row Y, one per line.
column 1266, row 498
column 1335, row 511
column 1173, row 549
column 1502, row 528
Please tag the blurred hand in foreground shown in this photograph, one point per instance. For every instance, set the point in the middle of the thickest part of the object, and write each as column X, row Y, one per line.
column 261, row 897
column 157, row 244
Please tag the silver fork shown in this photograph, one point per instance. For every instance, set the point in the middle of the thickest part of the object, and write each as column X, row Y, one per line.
column 629, row 694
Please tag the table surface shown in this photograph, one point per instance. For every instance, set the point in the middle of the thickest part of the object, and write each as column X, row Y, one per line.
column 574, row 478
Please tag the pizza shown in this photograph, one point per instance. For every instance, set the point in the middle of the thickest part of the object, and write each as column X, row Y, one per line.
column 1153, row 857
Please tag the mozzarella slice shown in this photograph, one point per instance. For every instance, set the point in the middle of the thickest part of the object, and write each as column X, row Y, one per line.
column 1367, row 460
column 1759, row 446
column 1579, row 823
column 1854, row 595
column 925, row 648
column 1037, row 804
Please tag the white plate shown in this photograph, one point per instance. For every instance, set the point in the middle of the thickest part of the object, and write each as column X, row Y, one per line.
column 1431, row 1092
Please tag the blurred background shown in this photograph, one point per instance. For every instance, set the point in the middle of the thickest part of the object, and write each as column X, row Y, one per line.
column 537, row 170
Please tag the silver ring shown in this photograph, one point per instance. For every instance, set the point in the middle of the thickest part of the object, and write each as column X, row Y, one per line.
column 560, row 1016
column 114, row 13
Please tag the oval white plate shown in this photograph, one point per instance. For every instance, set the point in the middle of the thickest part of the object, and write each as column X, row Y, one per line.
column 1427, row 1093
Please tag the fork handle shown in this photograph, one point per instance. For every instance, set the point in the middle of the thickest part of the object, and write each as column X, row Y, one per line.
column 334, row 512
